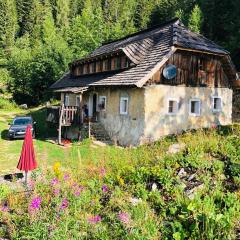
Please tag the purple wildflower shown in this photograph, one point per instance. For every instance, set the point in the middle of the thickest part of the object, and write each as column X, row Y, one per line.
column 66, row 176
column 124, row 217
column 36, row 202
column 103, row 172
column 81, row 188
column 104, row 188
column 54, row 182
column 94, row 219
column 74, row 185
column 64, row 204
column 4, row 208
column 77, row 193
column 56, row 191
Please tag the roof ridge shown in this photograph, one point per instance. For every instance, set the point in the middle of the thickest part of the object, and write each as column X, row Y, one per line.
column 202, row 36
column 172, row 21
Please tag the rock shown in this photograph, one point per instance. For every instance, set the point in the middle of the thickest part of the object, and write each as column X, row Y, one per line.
column 192, row 192
column 93, row 146
column 154, row 187
column 101, row 144
column 24, row 106
column 191, row 177
column 175, row 148
column 135, row 201
column 182, row 173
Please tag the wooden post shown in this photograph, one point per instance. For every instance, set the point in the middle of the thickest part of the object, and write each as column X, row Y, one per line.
column 89, row 128
column 60, row 125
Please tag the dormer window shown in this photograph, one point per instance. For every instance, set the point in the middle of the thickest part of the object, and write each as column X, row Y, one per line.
column 87, row 68
column 125, row 62
column 93, row 67
column 109, row 64
column 117, row 63
column 81, row 69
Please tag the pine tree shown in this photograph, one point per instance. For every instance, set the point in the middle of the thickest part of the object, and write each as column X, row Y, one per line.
column 8, row 23
column 195, row 19
column 87, row 31
column 62, row 14
column 143, row 12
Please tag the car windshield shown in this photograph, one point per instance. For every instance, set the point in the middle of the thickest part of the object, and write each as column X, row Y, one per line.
column 22, row 121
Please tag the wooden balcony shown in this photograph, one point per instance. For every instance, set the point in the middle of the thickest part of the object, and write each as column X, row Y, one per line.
column 69, row 115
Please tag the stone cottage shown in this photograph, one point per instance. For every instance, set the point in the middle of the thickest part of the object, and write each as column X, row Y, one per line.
column 155, row 82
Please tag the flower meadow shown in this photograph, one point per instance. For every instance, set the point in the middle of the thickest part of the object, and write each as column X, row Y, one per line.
column 133, row 193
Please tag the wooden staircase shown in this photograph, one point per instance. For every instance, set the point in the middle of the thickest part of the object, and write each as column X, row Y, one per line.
column 97, row 132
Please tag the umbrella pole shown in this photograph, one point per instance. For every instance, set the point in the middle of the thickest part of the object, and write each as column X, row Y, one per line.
column 26, row 177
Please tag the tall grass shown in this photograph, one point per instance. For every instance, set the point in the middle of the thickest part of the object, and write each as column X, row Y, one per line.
column 6, row 104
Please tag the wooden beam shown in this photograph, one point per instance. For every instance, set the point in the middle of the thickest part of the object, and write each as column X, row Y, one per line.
column 200, row 51
column 60, row 125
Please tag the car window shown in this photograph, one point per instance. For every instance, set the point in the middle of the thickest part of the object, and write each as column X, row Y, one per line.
column 22, row 121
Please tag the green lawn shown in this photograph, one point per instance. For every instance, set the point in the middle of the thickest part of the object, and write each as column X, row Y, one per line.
column 48, row 153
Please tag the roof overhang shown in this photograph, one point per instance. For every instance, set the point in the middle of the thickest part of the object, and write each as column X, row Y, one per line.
column 72, row 90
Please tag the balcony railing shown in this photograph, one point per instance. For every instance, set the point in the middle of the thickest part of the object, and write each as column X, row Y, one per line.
column 70, row 115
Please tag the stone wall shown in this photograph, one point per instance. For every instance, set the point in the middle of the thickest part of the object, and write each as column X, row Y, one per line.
column 148, row 118
column 159, row 123
column 123, row 129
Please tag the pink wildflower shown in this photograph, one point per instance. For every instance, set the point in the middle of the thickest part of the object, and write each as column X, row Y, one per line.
column 124, row 217
column 56, row 191
column 103, row 172
column 66, row 176
column 36, row 202
column 64, row 204
column 4, row 208
column 77, row 193
column 94, row 219
column 54, row 181
column 74, row 185
column 104, row 188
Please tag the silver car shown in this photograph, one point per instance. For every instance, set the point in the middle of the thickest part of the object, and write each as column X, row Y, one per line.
column 19, row 125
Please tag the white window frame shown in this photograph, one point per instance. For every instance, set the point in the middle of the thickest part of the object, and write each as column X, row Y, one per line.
column 200, row 106
column 121, row 100
column 221, row 105
column 174, row 100
column 77, row 101
column 66, row 100
column 100, row 100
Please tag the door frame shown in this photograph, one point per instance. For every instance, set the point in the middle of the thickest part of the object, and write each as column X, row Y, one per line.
column 90, row 103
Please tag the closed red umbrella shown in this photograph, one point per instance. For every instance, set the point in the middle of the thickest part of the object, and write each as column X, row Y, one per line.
column 27, row 161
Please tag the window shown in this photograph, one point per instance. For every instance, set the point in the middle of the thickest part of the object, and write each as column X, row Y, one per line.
column 93, row 67
column 124, row 105
column 66, row 100
column 117, row 63
column 87, row 68
column 102, row 103
column 216, row 104
column 173, row 106
column 195, row 107
column 78, row 101
column 109, row 64
column 81, row 69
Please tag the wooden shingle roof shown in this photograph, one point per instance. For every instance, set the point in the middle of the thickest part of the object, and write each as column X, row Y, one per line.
column 149, row 50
